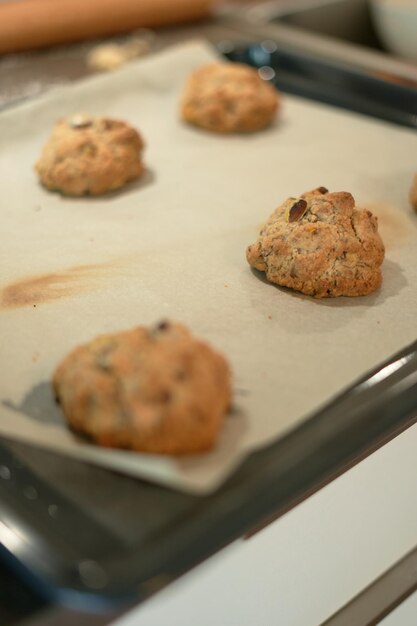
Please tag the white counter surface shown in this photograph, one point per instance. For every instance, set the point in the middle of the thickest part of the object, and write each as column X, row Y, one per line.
column 309, row 563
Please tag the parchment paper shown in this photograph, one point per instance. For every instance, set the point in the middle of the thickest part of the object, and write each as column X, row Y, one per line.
column 173, row 246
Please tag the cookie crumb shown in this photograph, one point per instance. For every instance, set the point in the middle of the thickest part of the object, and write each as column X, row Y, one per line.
column 110, row 56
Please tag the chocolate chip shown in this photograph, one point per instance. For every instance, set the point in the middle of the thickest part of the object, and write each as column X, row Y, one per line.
column 323, row 190
column 297, row 210
column 154, row 331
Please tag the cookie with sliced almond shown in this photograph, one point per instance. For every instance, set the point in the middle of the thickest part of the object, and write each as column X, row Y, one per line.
column 88, row 155
column 320, row 244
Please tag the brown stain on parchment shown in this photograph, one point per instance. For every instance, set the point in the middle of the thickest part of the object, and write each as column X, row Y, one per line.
column 43, row 288
column 392, row 223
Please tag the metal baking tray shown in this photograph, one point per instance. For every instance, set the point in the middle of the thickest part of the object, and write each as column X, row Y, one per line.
column 327, row 50
column 80, row 547
column 111, row 539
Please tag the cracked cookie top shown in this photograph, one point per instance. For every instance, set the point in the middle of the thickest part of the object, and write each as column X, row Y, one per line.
column 320, row 244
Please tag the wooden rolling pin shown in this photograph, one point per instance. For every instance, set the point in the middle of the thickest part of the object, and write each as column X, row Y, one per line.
column 28, row 24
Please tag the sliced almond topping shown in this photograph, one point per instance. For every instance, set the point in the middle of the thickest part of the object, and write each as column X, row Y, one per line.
column 297, row 211
column 80, row 120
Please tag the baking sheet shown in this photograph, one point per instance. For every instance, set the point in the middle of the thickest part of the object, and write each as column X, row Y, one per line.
column 173, row 246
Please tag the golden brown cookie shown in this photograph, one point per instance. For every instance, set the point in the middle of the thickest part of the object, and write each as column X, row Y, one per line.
column 86, row 155
column 159, row 390
column 322, row 245
column 228, row 98
column 413, row 193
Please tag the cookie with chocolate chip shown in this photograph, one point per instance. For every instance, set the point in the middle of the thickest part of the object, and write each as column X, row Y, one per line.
column 229, row 98
column 157, row 390
column 90, row 156
column 320, row 244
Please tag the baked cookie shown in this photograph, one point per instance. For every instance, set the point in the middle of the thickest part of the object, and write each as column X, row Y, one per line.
column 413, row 193
column 228, row 98
column 86, row 155
column 159, row 390
column 322, row 245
